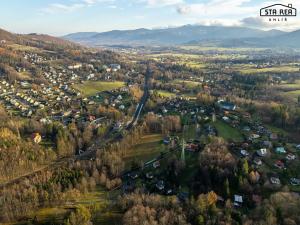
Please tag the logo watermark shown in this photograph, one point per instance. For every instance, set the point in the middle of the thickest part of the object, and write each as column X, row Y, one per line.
column 278, row 12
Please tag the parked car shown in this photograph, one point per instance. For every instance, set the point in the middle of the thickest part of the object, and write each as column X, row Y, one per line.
column 149, row 175
column 275, row 180
column 160, row 185
column 290, row 156
column 156, row 164
column 244, row 153
column 134, row 175
column 295, row 181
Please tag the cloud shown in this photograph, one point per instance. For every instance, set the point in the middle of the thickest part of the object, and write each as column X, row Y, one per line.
column 217, row 8
column 236, row 13
column 219, row 22
column 161, row 3
column 255, row 21
column 59, row 8
column 90, row 2
column 184, row 9
column 112, row 7
column 264, row 23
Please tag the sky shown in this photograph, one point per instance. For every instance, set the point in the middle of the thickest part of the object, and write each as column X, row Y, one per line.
column 60, row 17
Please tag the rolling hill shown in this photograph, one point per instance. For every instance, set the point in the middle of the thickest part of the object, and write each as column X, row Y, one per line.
column 171, row 36
column 35, row 40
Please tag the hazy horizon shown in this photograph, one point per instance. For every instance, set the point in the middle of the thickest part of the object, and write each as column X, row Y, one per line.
column 58, row 18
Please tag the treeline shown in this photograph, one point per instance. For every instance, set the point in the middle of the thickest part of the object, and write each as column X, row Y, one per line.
column 165, row 125
column 11, row 60
column 52, row 187
column 19, row 156
column 67, row 180
column 281, row 115
column 151, row 209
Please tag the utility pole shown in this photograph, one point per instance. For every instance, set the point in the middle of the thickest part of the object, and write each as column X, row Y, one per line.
column 183, row 151
column 183, row 145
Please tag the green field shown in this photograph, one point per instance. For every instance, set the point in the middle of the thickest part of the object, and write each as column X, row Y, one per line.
column 292, row 94
column 190, row 169
column 251, row 69
column 90, row 88
column 148, row 148
column 227, row 132
column 277, row 130
column 195, row 60
column 196, row 65
column 18, row 47
column 295, row 85
column 289, row 90
column 220, row 49
column 187, row 83
column 165, row 94
column 190, row 132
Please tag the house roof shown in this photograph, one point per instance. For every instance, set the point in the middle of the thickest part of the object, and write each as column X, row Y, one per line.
column 280, row 149
column 238, row 198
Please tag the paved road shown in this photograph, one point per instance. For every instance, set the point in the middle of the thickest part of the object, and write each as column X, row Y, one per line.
column 143, row 100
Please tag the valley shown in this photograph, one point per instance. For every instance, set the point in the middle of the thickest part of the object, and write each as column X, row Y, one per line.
column 188, row 133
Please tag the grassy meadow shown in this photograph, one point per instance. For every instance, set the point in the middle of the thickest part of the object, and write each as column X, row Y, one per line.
column 165, row 94
column 90, row 88
column 149, row 147
column 251, row 69
column 227, row 132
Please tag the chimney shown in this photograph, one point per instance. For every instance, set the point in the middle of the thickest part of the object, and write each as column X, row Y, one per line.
column 290, row 5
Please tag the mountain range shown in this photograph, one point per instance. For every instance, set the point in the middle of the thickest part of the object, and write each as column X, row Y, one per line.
column 190, row 34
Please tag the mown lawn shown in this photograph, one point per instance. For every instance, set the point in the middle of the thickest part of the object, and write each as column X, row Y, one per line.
column 90, row 88
column 188, row 84
column 227, row 132
column 166, row 94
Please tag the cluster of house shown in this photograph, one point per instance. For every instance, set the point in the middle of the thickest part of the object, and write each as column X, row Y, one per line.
column 112, row 67
column 22, row 101
column 156, row 184
column 181, row 105
column 60, row 76
column 34, row 58
column 262, row 146
column 56, row 96
column 114, row 98
column 261, row 156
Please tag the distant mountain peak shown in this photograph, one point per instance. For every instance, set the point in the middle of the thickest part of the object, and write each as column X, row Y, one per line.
column 169, row 36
